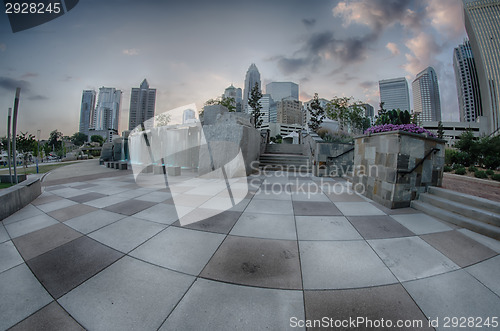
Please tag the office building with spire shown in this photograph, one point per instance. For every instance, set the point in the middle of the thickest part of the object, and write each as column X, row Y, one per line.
column 252, row 77
column 426, row 100
column 142, row 106
column 482, row 23
column 468, row 92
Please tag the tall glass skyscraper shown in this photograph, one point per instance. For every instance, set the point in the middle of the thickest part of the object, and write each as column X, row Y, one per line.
column 87, row 111
column 142, row 105
column 482, row 23
column 252, row 77
column 107, row 112
column 282, row 90
column 426, row 100
column 394, row 93
column 469, row 95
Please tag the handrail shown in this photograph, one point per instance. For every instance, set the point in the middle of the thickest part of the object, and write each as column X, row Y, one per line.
column 331, row 158
column 405, row 172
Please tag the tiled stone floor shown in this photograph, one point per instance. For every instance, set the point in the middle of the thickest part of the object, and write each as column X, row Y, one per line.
column 106, row 254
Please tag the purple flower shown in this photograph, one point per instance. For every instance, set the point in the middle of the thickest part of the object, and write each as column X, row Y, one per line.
column 403, row 127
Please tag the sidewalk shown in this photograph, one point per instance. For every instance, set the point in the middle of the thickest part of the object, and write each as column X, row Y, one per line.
column 99, row 252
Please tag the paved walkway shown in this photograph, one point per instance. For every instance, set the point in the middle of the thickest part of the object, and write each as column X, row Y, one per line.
column 107, row 254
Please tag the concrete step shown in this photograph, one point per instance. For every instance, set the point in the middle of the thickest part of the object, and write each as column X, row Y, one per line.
column 285, row 149
column 460, row 220
column 466, row 199
column 469, row 211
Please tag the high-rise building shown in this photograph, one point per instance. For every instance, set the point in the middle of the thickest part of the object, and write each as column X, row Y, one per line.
column 369, row 110
column 289, row 111
column 252, row 77
column 188, row 116
column 469, row 95
column 482, row 23
column 142, row 106
column 394, row 94
column 235, row 93
column 282, row 90
column 107, row 111
column 266, row 102
column 87, row 111
column 426, row 100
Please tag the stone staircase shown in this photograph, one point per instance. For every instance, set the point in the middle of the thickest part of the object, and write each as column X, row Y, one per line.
column 285, row 157
column 467, row 211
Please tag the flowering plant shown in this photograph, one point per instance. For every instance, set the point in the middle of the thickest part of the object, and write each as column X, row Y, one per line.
column 398, row 127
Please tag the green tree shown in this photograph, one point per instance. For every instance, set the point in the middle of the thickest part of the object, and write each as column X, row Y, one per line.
column 253, row 102
column 381, row 114
column 350, row 115
column 440, row 130
column 161, row 120
column 229, row 103
column 79, row 138
column 55, row 140
column 317, row 114
column 97, row 139
column 26, row 144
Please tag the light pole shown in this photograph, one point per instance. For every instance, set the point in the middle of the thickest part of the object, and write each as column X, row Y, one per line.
column 38, row 148
column 14, row 127
column 9, row 119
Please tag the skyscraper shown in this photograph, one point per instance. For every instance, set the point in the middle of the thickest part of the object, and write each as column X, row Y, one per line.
column 281, row 90
column 394, row 93
column 469, row 95
column 235, row 93
column 107, row 112
column 252, row 77
column 87, row 111
column 289, row 111
column 426, row 101
column 142, row 105
column 266, row 102
column 482, row 23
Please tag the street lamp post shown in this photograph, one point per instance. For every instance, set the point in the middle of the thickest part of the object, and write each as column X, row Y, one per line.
column 38, row 148
column 9, row 119
column 14, row 127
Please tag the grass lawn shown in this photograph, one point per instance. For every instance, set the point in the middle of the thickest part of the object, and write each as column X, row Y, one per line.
column 4, row 185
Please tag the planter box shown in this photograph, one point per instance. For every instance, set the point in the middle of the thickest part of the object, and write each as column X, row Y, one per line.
column 392, row 168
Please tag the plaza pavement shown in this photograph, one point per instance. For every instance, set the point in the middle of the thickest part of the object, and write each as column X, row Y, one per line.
column 97, row 251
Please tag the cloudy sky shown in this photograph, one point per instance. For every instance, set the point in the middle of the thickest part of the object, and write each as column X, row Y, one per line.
column 190, row 51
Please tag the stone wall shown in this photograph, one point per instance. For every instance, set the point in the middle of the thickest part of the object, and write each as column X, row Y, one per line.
column 18, row 196
column 382, row 162
column 334, row 159
column 231, row 134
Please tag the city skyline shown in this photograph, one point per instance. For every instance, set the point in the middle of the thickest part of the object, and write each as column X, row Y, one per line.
column 333, row 48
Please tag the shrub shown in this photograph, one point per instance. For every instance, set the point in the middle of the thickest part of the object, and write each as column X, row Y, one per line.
column 462, row 158
column 447, row 168
column 460, row 171
column 480, row 174
column 457, row 166
column 490, row 172
column 472, row 169
column 450, row 156
column 412, row 128
column 496, row 177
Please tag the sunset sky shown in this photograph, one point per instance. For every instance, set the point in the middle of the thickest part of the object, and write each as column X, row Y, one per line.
column 190, row 51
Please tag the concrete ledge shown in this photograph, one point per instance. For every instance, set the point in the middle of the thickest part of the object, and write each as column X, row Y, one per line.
column 6, row 178
column 18, row 196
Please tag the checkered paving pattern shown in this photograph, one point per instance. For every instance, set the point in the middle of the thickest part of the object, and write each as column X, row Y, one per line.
column 108, row 254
